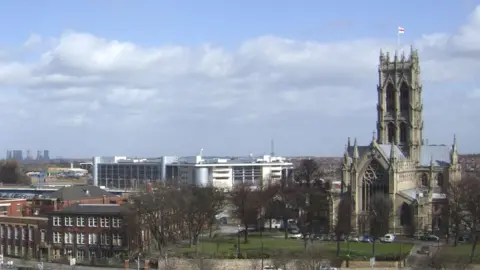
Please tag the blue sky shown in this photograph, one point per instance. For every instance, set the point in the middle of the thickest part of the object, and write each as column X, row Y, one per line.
column 170, row 77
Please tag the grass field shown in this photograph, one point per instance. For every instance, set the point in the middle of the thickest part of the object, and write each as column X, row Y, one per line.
column 224, row 247
column 459, row 253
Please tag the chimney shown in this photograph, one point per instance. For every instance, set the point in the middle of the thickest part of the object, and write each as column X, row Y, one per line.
column 104, row 198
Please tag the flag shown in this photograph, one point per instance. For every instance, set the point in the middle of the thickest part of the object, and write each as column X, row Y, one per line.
column 401, row 30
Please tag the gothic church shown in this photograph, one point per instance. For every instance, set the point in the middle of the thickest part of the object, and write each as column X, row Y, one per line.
column 398, row 162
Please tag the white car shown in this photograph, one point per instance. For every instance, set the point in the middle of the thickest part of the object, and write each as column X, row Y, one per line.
column 295, row 236
column 388, row 238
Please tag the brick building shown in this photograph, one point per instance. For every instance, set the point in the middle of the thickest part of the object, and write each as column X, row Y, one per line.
column 71, row 195
column 92, row 233
column 13, row 207
column 24, row 237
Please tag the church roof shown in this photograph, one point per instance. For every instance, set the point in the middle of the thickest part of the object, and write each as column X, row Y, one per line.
column 440, row 154
column 386, row 148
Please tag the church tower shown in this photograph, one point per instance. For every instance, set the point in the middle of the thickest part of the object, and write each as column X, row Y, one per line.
column 399, row 108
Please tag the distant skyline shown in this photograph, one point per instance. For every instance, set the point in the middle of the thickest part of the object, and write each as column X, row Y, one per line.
column 151, row 78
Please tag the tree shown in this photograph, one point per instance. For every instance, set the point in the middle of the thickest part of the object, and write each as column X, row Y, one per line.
column 201, row 204
column 470, row 204
column 344, row 218
column 160, row 211
column 246, row 204
column 307, row 173
column 454, row 210
column 379, row 215
column 10, row 173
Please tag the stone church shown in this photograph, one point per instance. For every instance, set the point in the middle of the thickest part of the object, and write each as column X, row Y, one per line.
column 398, row 161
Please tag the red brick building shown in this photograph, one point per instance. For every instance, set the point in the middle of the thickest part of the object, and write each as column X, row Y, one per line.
column 71, row 195
column 14, row 207
column 24, row 237
column 93, row 233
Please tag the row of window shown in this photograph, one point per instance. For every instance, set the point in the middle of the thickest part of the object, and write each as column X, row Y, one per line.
column 81, row 254
column 104, row 222
column 18, row 232
column 93, row 238
column 15, row 250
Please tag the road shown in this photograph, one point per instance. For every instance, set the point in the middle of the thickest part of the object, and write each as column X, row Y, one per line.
column 421, row 261
column 56, row 266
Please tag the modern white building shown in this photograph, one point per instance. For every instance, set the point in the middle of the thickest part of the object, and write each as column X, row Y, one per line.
column 126, row 173
column 226, row 172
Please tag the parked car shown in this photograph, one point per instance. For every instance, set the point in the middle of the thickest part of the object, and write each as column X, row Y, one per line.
column 353, row 239
column 295, row 236
column 366, row 239
column 388, row 238
column 429, row 237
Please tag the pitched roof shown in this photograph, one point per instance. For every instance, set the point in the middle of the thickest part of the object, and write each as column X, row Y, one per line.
column 79, row 192
column 111, row 209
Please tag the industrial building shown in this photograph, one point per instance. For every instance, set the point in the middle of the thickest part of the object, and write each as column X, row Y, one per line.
column 227, row 172
column 222, row 172
column 127, row 173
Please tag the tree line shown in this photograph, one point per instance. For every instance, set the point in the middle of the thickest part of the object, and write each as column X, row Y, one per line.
column 174, row 213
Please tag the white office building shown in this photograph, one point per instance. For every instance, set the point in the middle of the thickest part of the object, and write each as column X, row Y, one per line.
column 226, row 172
column 127, row 173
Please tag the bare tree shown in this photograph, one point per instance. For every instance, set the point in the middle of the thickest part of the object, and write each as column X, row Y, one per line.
column 470, row 201
column 344, row 218
column 201, row 204
column 160, row 212
column 281, row 258
column 379, row 215
column 246, row 203
column 454, row 209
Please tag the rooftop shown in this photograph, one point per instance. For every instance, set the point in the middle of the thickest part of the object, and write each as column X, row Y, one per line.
column 111, row 209
column 79, row 192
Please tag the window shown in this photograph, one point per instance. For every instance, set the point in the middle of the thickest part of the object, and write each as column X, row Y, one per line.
column 80, row 238
column 92, row 222
column 424, row 180
column 68, row 238
column 57, row 238
column 116, row 222
column 56, row 221
column 80, row 255
column 17, row 233
column 67, row 252
column 440, row 180
column 9, row 232
column 104, row 222
column 42, row 236
column 117, row 239
column 2, row 231
column 92, row 239
column 104, row 239
column 30, row 233
column 68, row 221
column 80, row 221
column 24, row 233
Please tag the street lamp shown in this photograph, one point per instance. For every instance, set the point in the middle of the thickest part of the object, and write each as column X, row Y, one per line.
column 238, row 241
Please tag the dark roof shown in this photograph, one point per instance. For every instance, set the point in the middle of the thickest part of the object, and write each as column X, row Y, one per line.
column 79, row 192
column 110, row 209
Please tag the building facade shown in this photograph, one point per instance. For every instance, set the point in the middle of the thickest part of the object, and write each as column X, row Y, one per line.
column 92, row 233
column 128, row 173
column 24, row 237
column 225, row 173
column 398, row 162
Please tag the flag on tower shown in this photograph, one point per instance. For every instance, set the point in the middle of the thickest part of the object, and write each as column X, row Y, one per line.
column 401, row 30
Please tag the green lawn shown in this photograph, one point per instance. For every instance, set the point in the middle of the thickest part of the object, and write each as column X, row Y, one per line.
column 459, row 253
column 224, row 247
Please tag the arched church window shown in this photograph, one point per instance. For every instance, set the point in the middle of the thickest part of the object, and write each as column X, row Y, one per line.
column 404, row 98
column 403, row 132
column 374, row 180
column 391, row 132
column 424, row 180
column 390, row 98
column 440, row 180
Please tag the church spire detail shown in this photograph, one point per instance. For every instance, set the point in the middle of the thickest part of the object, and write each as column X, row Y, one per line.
column 453, row 152
column 356, row 156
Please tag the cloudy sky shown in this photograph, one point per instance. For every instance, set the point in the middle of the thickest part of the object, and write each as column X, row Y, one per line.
column 149, row 78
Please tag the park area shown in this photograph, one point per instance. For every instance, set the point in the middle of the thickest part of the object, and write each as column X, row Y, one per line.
column 275, row 246
column 459, row 253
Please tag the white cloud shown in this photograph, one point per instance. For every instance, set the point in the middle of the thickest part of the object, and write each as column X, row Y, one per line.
column 213, row 96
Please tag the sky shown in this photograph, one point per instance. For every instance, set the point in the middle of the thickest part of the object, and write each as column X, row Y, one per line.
column 150, row 78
